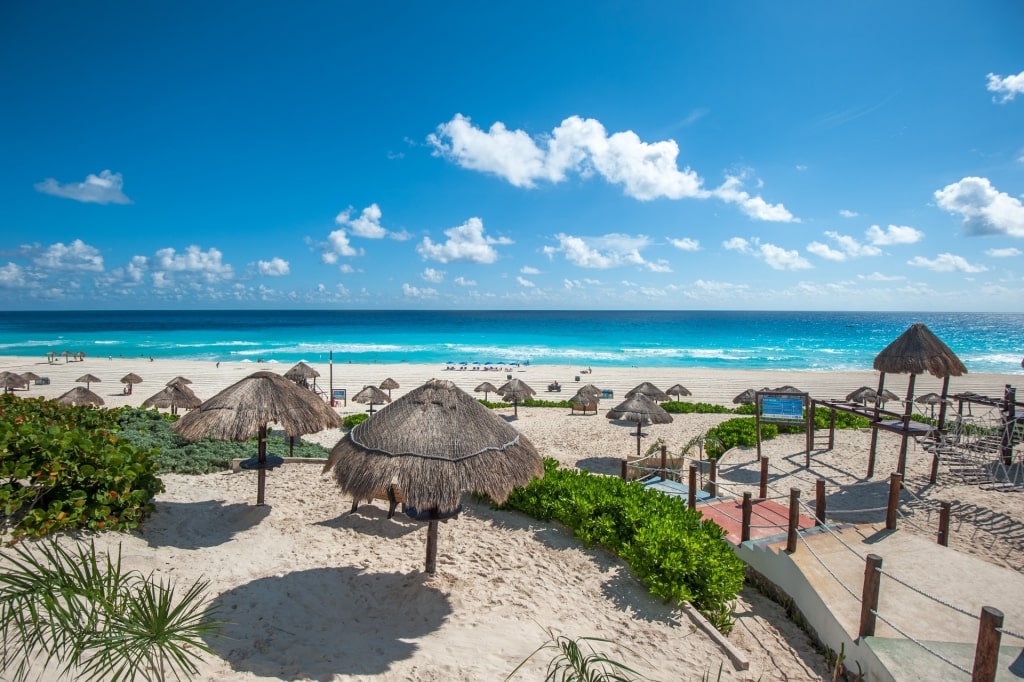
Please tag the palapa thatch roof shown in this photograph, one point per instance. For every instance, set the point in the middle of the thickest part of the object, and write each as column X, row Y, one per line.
column 239, row 411
column 88, row 379
column 389, row 384
column 650, row 390
column 746, row 398
column 886, row 395
column 131, row 378
column 786, row 389
column 864, row 394
column 486, row 388
column 80, row 396
column 679, row 391
column 301, row 372
column 918, row 350
column 10, row 381
column 515, row 390
column 434, row 443
column 584, row 398
column 371, row 394
column 30, row 376
column 175, row 396
column 640, row 408
column 929, row 399
column 179, row 380
column 592, row 389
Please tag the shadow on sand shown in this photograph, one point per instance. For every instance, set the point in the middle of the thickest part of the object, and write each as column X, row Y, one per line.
column 372, row 520
column 194, row 525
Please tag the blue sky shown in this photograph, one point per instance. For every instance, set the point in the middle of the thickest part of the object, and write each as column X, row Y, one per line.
column 642, row 155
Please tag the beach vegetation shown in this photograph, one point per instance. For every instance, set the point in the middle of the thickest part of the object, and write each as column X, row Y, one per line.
column 353, row 420
column 741, row 431
column 65, row 468
column 680, row 407
column 576, row 660
column 670, row 548
column 92, row 619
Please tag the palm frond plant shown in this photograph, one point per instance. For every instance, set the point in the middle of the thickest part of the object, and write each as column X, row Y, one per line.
column 576, row 660
column 95, row 621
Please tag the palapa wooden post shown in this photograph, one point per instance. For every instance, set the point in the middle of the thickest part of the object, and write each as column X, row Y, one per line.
column 831, row 429
column 794, row 519
column 691, row 492
column 871, row 452
column 763, row 490
column 748, row 509
column 664, row 462
column 432, row 543
column 944, row 509
column 935, row 468
column 901, row 463
column 713, row 478
column 895, row 483
column 261, row 464
column 819, row 501
column 986, row 654
column 869, row 596
column 625, row 469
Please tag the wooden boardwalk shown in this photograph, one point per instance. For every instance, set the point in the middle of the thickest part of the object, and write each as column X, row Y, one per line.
column 768, row 518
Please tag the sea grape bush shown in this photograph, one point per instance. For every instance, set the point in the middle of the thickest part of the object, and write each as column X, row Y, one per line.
column 735, row 432
column 670, row 548
column 354, row 420
column 64, row 468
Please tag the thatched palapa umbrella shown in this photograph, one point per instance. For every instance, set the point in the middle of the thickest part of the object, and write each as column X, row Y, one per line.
column 87, row 379
column 515, row 390
column 863, row 395
column 175, row 397
column 371, row 395
column 650, row 390
column 130, row 380
column 931, row 399
column 678, row 391
column 591, row 389
column 244, row 409
column 301, row 373
column 642, row 410
column 80, row 396
column 915, row 351
column 67, row 355
column 486, row 388
column 584, row 400
column 10, row 381
column 746, row 398
column 29, row 377
column 886, row 395
column 434, row 443
column 179, row 380
column 388, row 384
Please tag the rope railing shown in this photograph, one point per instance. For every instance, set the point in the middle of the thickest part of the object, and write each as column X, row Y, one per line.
column 934, row 653
column 1011, row 633
column 828, row 569
column 921, row 592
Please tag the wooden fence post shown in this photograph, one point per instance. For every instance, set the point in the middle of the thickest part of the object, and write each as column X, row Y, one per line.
column 691, row 493
column 986, row 654
column 794, row 519
column 869, row 596
column 625, row 470
column 895, row 483
column 935, row 468
column 819, row 501
column 713, row 478
column 763, row 491
column 748, row 509
column 664, row 463
column 944, row 509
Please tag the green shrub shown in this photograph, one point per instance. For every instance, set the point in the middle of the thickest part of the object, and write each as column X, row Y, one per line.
column 670, row 548
column 63, row 468
column 736, row 432
column 679, row 407
column 353, row 420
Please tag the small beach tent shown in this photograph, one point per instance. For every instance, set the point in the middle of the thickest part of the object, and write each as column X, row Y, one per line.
column 87, row 379
column 80, row 396
column 301, row 373
column 678, row 391
column 243, row 410
column 642, row 410
column 175, row 397
column 515, row 390
column 915, row 351
column 650, row 390
column 371, row 395
column 434, row 444
column 389, row 384
column 130, row 380
column 486, row 388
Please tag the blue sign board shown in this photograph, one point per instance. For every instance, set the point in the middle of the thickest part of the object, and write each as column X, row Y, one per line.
column 782, row 407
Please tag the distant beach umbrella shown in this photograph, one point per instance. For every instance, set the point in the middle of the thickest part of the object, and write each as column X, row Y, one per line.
column 434, row 444
column 29, row 377
column 243, row 410
column 515, row 390
column 301, row 373
column 786, row 389
column 886, row 395
column 67, row 356
column 10, row 381
column 592, row 389
column 931, row 399
column 642, row 410
column 746, row 398
column 175, row 397
column 130, row 380
column 179, row 380
column 389, row 384
column 650, row 390
column 371, row 395
column 80, row 356
column 50, row 356
column 585, row 400
column 80, row 396
column 679, row 391
column 486, row 388
column 864, row 395
column 87, row 379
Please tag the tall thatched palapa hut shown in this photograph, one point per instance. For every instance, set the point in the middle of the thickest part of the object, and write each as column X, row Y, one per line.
column 434, row 443
column 371, row 395
column 515, row 390
column 650, row 390
column 174, row 396
column 80, row 395
column 243, row 410
column 642, row 410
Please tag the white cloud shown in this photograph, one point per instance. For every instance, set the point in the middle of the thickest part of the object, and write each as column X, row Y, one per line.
column 1009, row 87
column 946, row 262
column 104, row 188
column 1003, row 253
column 779, row 258
column 465, row 242
column 825, row 251
column 608, row 251
column 879, row 277
column 847, row 213
column 416, row 292
column 523, row 282
column 74, row 257
column 527, row 270
column 848, row 248
column 737, row 244
column 433, row 276
column 346, row 268
column 894, row 234
column 338, row 245
column 366, row 225
column 275, row 267
column 685, row 244
column 193, row 261
column 754, row 207
column 985, row 210
column 717, row 287
column 660, row 265
column 645, row 170
column 463, row 282
column 11, row 276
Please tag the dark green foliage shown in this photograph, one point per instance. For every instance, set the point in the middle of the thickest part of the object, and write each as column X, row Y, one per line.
column 576, row 660
column 150, row 429
column 844, row 420
column 353, row 420
column 63, row 468
column 679, row 407
column 735, row 432
column 675, row 553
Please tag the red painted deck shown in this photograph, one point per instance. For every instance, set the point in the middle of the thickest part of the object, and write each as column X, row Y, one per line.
column 767, row 518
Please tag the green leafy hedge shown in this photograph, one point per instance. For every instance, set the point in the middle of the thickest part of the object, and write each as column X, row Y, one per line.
column 353, row 420
column 64, row 468
column 671, row 549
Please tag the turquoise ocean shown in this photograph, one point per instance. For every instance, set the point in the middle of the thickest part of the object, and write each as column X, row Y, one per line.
column 742, row 340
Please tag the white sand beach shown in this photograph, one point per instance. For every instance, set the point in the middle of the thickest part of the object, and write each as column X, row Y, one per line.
column 315, row 593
